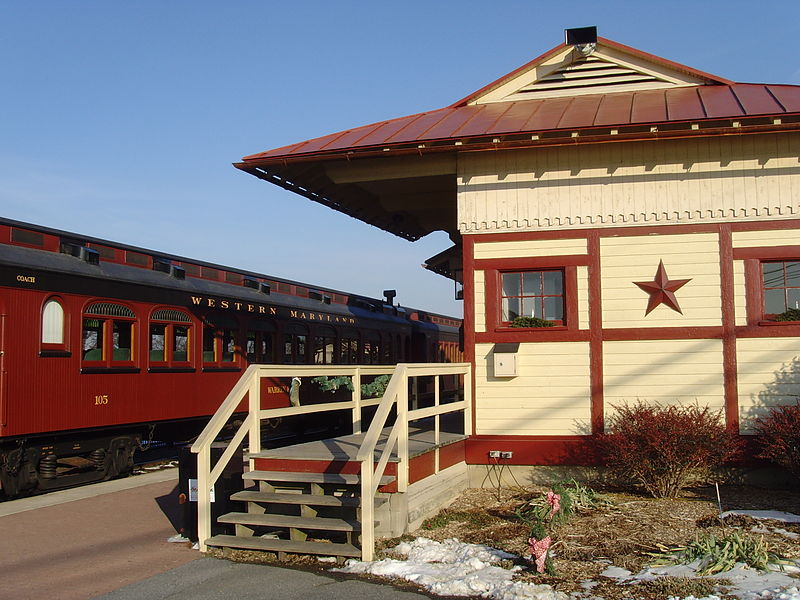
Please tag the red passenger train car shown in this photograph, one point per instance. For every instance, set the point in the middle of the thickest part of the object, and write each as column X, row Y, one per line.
column 104, row 345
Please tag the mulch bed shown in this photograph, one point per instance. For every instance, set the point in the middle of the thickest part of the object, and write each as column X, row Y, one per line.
column 622, row 534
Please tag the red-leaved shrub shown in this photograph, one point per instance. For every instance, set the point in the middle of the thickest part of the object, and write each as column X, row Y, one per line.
column 779, row 437
column 666, row 448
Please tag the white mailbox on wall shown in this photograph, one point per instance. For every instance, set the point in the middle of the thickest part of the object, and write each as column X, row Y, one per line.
column 505, row 360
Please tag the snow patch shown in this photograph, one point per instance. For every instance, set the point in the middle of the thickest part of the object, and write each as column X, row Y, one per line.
column 775, row 515
column 453, row 568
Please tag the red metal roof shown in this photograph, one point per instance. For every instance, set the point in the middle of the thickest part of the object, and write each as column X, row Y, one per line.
column 649, row 107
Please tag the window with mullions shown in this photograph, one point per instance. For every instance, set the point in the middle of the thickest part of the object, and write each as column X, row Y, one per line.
column 170, row 337
column 537, row 293
column 324, row 344
column 220, row 343
column 781, row 284
column 294, row 345
column 260, row 345
column 108, row 333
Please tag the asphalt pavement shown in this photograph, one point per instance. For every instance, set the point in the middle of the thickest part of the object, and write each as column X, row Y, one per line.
column 214, row 579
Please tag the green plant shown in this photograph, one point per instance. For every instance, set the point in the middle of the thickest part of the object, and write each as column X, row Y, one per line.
column 372, row 389
column 720, row 554
column 666, row 448
column 531, row 322
column 791, row 314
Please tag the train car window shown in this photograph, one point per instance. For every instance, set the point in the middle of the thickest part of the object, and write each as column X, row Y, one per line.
column 324, row 345
column 259, row 346
column 228, row 341
column 294, row 345
column 371, row 349
column 220, row 342
column 108, row 334
column 53, row 322
column 169, row 338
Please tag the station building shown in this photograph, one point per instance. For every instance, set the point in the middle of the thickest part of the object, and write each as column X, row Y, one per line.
column 648, row 211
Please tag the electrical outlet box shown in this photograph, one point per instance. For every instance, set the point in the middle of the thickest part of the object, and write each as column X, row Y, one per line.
column 505, row 365
column 505, row 360
column 494, row 453
column 506, row 455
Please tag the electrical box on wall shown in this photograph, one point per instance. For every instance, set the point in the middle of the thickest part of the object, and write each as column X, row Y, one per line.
column 505, row 360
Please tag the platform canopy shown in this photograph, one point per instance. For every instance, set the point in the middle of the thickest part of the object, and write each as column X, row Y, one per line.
column 401, row 175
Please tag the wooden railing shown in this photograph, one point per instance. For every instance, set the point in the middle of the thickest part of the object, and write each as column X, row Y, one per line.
column 395, row 395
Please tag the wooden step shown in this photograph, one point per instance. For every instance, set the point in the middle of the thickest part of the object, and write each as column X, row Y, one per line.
column 292, row 477
column 269, row 520
column 306, row 499
column 275, row 545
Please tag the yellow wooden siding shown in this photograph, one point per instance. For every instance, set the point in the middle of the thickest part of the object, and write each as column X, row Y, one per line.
column 739, row 293
column 727, row 178
column 666, row 372
column 583, row 297
column 625, row 260
column 769, row 375
column 770, row 237
column 529, row 248
column 480, row 302
column 550, row 396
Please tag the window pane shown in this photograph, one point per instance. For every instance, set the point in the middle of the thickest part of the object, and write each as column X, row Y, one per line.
column 531, row 307
column 301, row 349
column 554, row 308
column 288, row 343
column 553, row 283
column 209, row 354
column 793, row 298
column 122, row 337
column 510, row 309
column 266, row 347
column 250, row 346
column 793, row 274
column 532, row 283
column 773, row 274
column 92, row 339
column 319, row 351
column 180, row 343
column 228, row 345
column 53, row 323
column 157, row 337
column 511, row 285
column 774, row 301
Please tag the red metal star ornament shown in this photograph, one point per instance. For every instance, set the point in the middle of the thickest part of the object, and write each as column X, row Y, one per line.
column 662, row 290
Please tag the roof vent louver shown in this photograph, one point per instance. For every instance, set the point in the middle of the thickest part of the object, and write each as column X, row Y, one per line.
column 251, row 283
column 88, row 255
column 264, row 288
column 163, row 266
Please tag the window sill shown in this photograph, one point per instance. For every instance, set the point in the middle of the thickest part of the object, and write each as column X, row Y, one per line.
column 521, row 329
column 110, row 370
column 167, row 369
column 214, row 369
column 777, row 323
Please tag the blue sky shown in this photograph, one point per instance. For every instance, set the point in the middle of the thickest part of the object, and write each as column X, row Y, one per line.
column 121, row 119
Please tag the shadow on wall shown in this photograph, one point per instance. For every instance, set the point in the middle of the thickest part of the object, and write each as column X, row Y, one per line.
column 783, row 390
